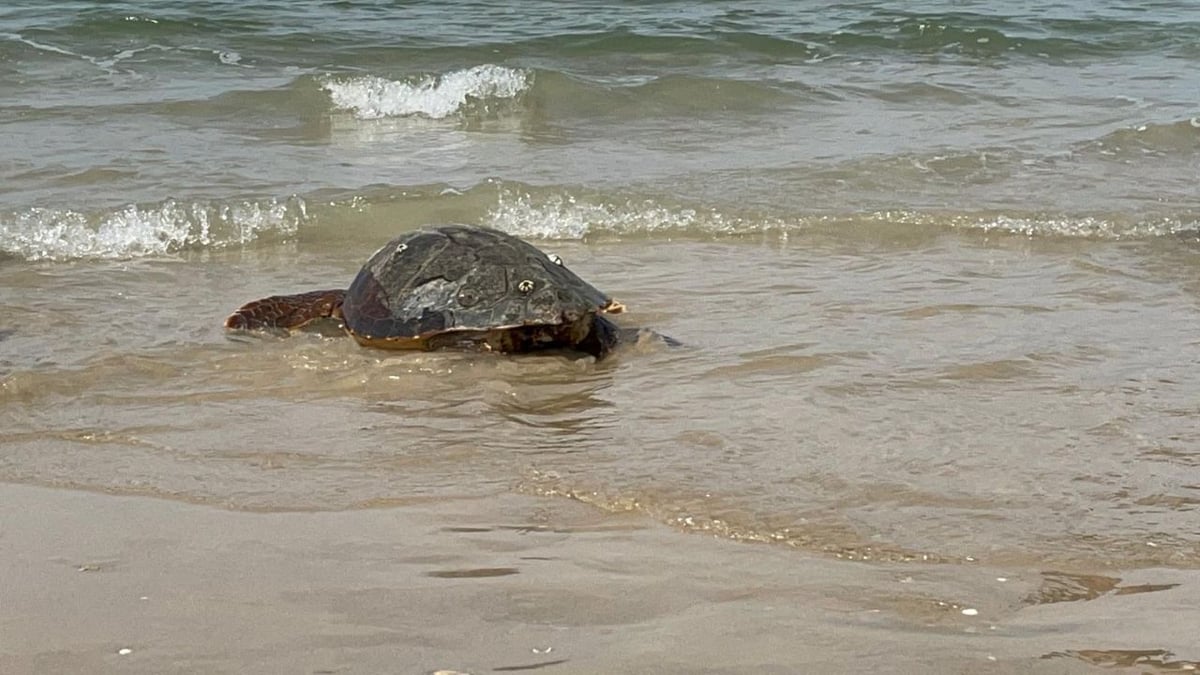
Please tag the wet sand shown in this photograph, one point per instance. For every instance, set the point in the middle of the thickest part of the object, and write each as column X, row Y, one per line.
column 512, row 583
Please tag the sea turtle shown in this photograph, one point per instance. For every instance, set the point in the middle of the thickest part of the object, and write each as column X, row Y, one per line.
column 455, row 286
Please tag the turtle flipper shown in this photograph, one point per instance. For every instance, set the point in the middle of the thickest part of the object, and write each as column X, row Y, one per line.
column 288, row 311
column 602, row 336
column 639, row 336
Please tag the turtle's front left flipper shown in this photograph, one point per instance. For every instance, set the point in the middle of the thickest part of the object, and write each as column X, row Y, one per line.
column 288, row 312
column 639, row 336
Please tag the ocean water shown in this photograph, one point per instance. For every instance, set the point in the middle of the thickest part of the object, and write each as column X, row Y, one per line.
column 936, row 268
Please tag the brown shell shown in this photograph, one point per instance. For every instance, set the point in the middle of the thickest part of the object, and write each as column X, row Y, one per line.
column 458, row 278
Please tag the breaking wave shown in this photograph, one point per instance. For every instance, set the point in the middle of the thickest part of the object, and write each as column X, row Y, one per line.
column 542, row 214
column 432, row 96
column 529, row 211
column 565, row 216
column 137, row 230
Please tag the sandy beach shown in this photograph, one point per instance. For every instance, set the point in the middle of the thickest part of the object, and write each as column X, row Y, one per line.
column 96, row 583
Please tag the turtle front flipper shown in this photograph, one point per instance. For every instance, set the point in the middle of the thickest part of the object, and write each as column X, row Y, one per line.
column 637, row 336
column 600, row 338
column 288, row 312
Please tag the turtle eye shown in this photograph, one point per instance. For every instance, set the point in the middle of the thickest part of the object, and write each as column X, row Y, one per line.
column 555, row 259
column 525, row 286
column 399, row 249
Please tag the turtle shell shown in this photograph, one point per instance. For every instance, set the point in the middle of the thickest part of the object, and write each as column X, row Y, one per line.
column 462, row 279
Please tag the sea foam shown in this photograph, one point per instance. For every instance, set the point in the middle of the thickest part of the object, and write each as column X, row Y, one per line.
column 138, row 230
column 564, row 216
column 436, row 97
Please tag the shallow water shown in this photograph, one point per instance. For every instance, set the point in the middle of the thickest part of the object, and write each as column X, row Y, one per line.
column 935, row 272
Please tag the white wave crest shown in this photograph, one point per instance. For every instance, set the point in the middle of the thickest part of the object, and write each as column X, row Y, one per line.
column 132, row 231
column 436, row 97
column 566, row 217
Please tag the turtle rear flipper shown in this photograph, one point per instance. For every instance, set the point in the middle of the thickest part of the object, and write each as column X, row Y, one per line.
column 288, row 312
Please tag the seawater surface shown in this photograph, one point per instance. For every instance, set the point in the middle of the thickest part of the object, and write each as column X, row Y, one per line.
column 936, row 271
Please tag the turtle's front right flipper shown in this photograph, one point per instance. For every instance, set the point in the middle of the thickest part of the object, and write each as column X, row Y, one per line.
column 288, row 312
